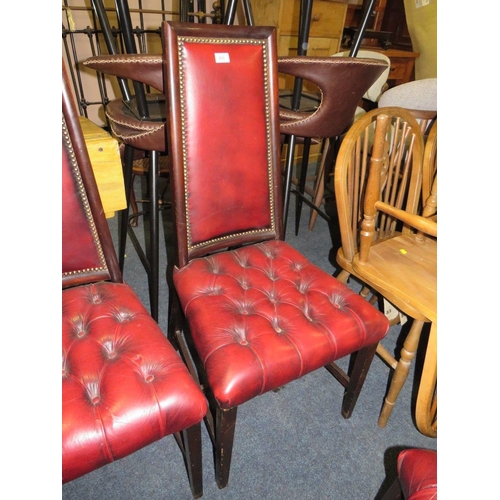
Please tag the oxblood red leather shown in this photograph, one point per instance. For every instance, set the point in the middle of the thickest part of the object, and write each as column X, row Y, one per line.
column 274, row 317
column 123, row 384
column 417, row 471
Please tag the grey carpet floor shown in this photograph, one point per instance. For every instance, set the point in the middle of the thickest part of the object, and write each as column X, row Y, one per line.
column 290, row 445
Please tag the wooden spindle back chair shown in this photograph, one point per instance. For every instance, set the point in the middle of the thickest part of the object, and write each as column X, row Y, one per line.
column 396, row 150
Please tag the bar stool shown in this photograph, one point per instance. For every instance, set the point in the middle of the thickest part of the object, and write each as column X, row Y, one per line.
column 138, row 121
column 342, row 82
column 302, row 44
column 368, row 102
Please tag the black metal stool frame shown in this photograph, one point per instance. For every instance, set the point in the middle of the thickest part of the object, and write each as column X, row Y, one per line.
column 150, row 257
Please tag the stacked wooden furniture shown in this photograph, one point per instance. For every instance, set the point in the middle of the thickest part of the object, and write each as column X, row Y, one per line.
column 325, row 35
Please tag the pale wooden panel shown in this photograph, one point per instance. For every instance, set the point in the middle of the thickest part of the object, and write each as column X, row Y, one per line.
column 106, row 163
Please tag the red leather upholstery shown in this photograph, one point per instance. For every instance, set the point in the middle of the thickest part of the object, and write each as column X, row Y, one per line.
column 274, row 317
column 417, row 470
column 82, row 256
column 123, row 384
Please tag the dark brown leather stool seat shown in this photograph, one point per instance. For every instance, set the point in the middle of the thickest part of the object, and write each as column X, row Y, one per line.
column 147, row 135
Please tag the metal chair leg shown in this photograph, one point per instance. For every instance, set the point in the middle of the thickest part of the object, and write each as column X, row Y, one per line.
column 128, row 160
column 302, row 183
column 319, row 188
column 154, row 229
column 288, row 180
column 230, row 12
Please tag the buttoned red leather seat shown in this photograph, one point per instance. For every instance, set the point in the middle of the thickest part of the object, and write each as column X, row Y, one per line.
column 276, row 316
column 124, row 386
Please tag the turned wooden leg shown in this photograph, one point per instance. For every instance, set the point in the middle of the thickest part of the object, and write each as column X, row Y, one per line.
column 343, row 276
column 401, row 373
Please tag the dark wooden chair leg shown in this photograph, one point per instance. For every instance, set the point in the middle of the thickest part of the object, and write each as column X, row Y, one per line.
column 360, row 366
column 394, row 492
column 224, row 437
column 192, row 453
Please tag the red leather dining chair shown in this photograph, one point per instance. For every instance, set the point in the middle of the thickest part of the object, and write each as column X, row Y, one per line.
column 123, row 384
column 257, row 313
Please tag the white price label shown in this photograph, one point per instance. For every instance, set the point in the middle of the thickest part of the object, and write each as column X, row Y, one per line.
column 221, row 57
